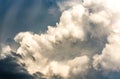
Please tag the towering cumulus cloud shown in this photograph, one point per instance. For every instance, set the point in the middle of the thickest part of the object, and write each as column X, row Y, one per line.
column 86, row 41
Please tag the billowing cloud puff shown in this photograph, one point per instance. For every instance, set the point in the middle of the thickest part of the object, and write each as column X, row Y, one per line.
column 5, row 51
column 60, row 44
column 109, row 59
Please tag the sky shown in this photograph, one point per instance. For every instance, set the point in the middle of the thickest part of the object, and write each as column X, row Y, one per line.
column 59, row 39
column 26, row 15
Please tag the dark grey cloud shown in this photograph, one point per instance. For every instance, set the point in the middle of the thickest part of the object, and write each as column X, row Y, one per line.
column 10, row 69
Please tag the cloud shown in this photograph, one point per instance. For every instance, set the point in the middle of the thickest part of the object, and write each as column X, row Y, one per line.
column 70, row 45
column 10, row 69
column 5, row 51
column 110, row 54
column 84, row 42
column 66, row 4
column 108, row 60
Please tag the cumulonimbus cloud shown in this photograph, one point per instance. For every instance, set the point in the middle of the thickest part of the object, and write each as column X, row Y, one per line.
column 87, row 37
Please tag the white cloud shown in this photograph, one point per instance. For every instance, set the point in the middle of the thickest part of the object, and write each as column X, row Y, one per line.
column 5, row 51
column 109, row 59
column 58, row 45
column 85, row 29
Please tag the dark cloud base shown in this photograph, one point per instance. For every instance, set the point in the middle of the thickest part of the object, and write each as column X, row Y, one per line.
column 9, row 69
